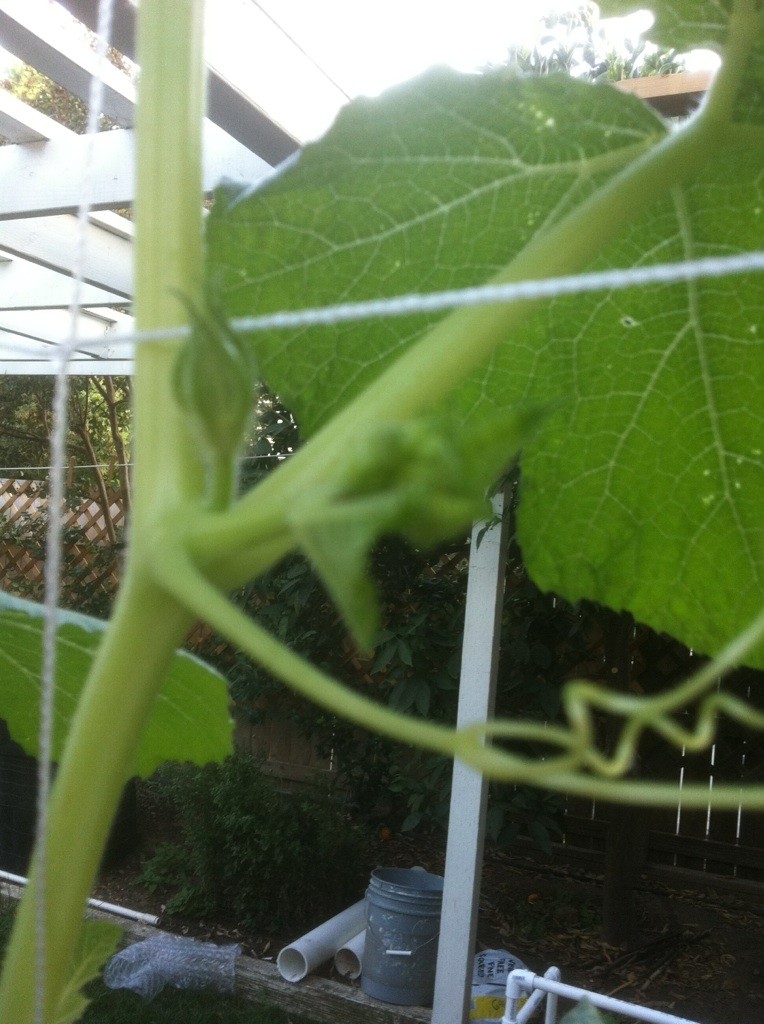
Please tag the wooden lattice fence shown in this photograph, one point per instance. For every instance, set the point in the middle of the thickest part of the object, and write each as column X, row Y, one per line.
column 24, row 509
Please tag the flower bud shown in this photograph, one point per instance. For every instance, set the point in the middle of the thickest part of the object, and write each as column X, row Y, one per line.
column 214, row 380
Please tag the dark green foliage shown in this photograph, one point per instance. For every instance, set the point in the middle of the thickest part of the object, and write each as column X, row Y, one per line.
column 415, row 664
column 426, row 790
column 99, row 422
column 415, row 668
column 519, row 810
column 273, row 436
column 6, row 923
column 270, row 859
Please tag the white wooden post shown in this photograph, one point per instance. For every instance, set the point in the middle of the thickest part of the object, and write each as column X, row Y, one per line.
column 469, row 793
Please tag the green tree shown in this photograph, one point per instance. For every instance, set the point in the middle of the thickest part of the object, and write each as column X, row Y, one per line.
column 46, row 96
column 99, row 431
column 41, row 93
column 99, row 426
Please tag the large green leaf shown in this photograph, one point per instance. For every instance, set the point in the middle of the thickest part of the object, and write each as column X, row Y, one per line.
column 644, row 490
column 190, row 720
column 434, row 185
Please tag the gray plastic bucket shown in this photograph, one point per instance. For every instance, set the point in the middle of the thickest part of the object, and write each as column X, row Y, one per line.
column 402, row 927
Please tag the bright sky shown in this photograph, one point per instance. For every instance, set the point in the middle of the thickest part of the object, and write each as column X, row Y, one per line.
column 303, row 58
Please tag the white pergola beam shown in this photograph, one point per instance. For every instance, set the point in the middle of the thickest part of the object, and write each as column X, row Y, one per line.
column 22, row 123
column 107, row 162
column 29, row 342
column 114, row 223
column 27, row 31
column 227, row 107
column 37, row 201
column 53, row 325
column 12, row 365
column 469, row 790
column 24, row 285
column 53, row 242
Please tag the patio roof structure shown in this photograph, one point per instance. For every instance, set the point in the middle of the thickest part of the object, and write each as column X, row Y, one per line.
column 38, row 224
column 246, row 134
column 40, row 171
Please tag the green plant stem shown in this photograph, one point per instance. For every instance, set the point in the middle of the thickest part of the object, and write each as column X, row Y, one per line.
column 743, row 28
column 559, row 774
column 168, row 251
column 699, row 682
column 427, row 372
column 147, row 625
column 221, row 483
column 96, row 764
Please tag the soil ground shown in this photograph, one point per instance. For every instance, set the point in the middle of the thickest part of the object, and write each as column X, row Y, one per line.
column 699, row 954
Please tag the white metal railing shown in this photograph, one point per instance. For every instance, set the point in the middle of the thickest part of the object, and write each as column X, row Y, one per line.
column 525, row 983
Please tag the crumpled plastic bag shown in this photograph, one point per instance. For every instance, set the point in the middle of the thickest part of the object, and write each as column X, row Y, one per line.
column 146, row 967
column 491, row 968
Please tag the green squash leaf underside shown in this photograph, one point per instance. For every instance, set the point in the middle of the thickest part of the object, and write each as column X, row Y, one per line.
column 190, row 720
column 644, row 488
column 647, row 488
column 435, row 185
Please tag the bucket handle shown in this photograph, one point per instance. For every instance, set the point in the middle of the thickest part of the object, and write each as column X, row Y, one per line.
column 402, row 952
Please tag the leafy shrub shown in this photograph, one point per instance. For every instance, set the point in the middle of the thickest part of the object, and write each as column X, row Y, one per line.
column 268, row 858
column 521, row 810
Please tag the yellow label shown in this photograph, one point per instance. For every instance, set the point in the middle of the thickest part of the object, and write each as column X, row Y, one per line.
column 487, row 1007
column 491, row 1007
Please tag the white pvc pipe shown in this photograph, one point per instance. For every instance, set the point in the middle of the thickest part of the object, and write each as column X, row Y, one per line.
column 531, row 1005
column 349, row 958
column 133, row 915
column 110, row 908
column 311, row 950
column 526, row 981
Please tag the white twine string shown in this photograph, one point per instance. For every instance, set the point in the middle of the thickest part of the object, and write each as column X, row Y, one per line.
column 479, row 295
column 53, row 547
